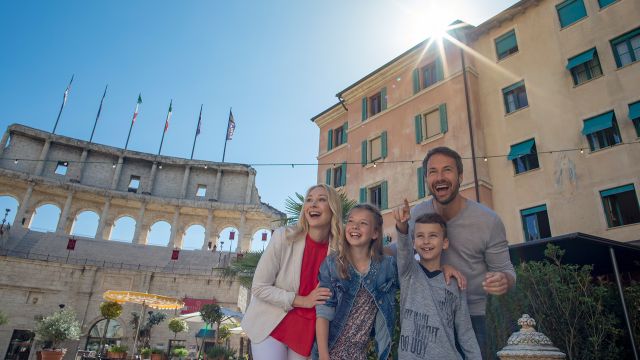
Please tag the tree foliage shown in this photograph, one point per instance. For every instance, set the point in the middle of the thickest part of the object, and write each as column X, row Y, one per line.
column 177, row 325
column 60, row 326
column 243, row 268
column 144, row 334
column 110, row 310
column 3, row 318
column 293, row 206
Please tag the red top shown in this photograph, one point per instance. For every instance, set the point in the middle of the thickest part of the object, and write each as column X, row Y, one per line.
column 298, row 328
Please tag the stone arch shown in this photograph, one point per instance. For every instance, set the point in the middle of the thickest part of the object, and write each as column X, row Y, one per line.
column 194, row 236
column 257, row 243
column 159, row 233
column 11, row 202
column 223, row 237
column 124, row 228
column 45, row 217
column 117, row 332
column 85, row 223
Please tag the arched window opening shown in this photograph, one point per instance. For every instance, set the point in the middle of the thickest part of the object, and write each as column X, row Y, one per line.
column 45, row 218
column 193, row 238
column 159, row 234
column 123, row 229
column 114, row 334
column 85, row 224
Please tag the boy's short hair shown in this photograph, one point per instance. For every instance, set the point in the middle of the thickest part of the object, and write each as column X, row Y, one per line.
column 433, row 218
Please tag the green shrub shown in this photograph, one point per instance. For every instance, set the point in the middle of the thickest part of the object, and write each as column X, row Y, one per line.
column 110, row 310
column 178, row 325
column 220, row 352
column 58, row 327
column 145, row 352
column 118, row 348
column 180, row 352
column 157, row 351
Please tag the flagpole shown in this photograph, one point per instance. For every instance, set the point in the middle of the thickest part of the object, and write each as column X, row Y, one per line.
column 226, row 136
column 98, row 115
column 164, row 129
column 197, row 132
column 135, row 114
column 64, row 100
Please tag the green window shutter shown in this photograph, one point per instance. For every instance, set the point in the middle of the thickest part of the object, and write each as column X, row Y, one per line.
column 420, row 174
column 505, row 43
column 363, row 195
column 345, row 127
column 383, row 140
column 439, row 69
column 364, row 108
column 570, row 11
column 328, row 177
column 416, row 81
column 384, row 203
column 444, row 126
column 363, row 160
column 604, row 3
column 618, row 190
column 343, row 178
column 533, row 210
column 383, row 98
column 330, row 140
column 418, row 123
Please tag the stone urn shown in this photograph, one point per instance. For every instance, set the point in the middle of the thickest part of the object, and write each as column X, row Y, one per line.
column 529, row 344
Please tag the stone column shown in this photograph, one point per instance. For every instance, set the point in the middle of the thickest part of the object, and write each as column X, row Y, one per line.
column 216, row 186
column 3, row 142
column 250, row 181
column 243, row 242
column 116, row 175
column 152, row 179
column 64, row 216
column 83, row 158
column 108, row 227
column 137, row 238
column 174, row 227
column 207, row 232
column 43, row 157
column 103, row 219
column 185, row 181
column 179, row 237
column 142, row 232
column 24, row 205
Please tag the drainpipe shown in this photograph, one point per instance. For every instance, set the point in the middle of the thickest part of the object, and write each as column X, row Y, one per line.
column 473, row 149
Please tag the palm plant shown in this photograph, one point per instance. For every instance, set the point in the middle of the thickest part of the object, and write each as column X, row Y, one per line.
column 293, row 206
column 243, row 268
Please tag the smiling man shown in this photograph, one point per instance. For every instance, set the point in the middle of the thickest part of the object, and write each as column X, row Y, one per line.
column 477, row 241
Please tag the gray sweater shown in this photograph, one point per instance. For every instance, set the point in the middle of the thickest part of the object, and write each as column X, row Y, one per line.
column 430, row 310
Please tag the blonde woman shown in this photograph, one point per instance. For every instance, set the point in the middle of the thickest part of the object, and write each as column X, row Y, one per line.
column 280, row 320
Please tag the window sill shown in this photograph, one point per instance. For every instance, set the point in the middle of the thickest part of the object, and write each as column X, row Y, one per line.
column 431, row 139
column 588, row 81
column 527, row 172
column 575, row 22
column 622, row 226
column 516, row 111
column 507, row 57
column 334, row 149
column 604, row 149
column 373, row 163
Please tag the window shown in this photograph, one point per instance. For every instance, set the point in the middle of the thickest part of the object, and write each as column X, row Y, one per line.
column 374, row 104
column 604, row 3
column 570, row 11
column 113, row 336
column 375, row 195
column 524, row 156
column 634, row 115
column 134, row 183
column 61, row 168
column 506, row 45
column 337, row 175
column 515, row 97
column 374, row 149
column 585, row 66
column 201, row 191
column 626, row 48
column 337, row 137
column 601, row 131
column 431, row 123
column 620, row 205
column 431, row 74
column 535, row 223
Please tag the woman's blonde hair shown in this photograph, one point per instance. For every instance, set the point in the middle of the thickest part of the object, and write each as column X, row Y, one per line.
column 375, row 247
column 336, row 230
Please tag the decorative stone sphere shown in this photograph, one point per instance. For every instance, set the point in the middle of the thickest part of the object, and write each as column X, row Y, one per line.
column 529, row 344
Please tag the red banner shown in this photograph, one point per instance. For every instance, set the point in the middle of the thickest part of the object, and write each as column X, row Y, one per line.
column 193, row 305
column 71, row 244
column 175, row 254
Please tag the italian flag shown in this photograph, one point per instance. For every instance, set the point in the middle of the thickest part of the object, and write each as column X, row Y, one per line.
column 166, row 123
column 135, row 113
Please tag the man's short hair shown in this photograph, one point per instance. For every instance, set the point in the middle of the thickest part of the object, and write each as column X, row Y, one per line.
column 433, row 218
column 443, row 150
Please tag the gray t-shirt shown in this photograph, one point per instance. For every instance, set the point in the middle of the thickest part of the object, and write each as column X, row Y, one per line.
column 477, row 245
column 430, row 310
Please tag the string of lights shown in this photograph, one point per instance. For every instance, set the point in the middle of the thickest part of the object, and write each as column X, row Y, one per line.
column 375, row 163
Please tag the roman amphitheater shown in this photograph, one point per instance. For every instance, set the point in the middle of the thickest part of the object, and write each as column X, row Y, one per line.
column 39, row 274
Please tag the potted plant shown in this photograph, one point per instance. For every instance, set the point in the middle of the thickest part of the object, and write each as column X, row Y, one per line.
column 145, row 353
column 177, row 325
column 117, row 352
column 218, row 352
column 56, row 328
column 109, row 310
column 180, row 353
column 156, row 354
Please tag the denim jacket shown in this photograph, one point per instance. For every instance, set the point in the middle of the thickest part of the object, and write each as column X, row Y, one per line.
column 382, row 283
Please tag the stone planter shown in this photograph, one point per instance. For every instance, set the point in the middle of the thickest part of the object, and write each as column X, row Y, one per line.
column 156, row 357
column 52, row 354
column 529, row 344
column 116, row 355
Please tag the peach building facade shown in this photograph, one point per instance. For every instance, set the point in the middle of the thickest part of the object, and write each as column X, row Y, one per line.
column 546, row 117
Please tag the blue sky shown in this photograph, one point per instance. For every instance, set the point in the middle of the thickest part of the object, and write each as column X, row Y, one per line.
column 277, row 63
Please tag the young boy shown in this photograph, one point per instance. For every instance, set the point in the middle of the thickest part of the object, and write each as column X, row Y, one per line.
column 432, row 313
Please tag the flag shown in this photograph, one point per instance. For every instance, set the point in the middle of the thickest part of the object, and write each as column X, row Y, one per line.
column 199, row 122
column 231, row 126
column 66, row 91
column 166, row 123
column 135, row 113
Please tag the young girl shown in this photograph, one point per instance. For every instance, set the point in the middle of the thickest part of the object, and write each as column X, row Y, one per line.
column 280, row 319
column 363, row 284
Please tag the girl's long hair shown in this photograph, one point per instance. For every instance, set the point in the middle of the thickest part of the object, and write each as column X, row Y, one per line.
column 336, row 230
column 343, row 256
